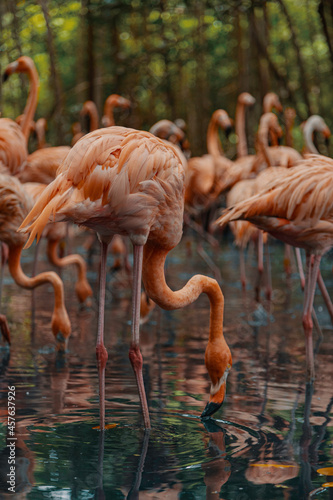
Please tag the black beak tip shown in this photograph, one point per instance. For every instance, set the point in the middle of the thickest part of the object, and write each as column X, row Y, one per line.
column 279, row 141
column 327, row 141
column 228, row 131
column 210, row 409
column 5, row 77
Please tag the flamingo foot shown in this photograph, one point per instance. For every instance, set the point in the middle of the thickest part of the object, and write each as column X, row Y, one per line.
column 102, row 357
column 136, row 360
column 308, row 327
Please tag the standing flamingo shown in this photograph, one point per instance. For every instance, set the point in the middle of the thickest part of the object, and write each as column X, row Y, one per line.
column 202, row 171
column 25, row 64
column 297, row 209
column 15, row 204
column 113, row 101
column 41, row 166
column 122, row 181
column 283, row 156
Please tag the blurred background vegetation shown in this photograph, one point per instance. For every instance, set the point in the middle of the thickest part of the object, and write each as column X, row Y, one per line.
column 171, row 58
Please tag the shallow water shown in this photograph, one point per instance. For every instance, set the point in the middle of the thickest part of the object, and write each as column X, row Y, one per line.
column 267, row 442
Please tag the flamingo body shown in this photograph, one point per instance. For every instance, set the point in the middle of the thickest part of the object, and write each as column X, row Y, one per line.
column 123, row 181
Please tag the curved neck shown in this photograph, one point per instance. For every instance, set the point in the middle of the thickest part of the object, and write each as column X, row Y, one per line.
column 158, row 290
column 214, row 146
column 31, row 105
column 90, row 109
column 263, row 142
column 240, row 130
column 82, row 287
column 75, row 259
column 308, row 138
column 21, row 279
column 93, row 115
column 40, row 132
column 109, row 106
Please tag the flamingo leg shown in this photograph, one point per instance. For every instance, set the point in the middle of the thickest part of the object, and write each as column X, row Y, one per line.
column 287, row 259
column 5, row 332
column 242, row 267
column 312, row 269
column 269, row 289
column 135, row 355
column 300, row 266
column 101, row 352
column 1, row 271
column 260, row 264
column 325, row 294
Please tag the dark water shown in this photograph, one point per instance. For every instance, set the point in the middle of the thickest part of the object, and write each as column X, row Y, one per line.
column 267, row 442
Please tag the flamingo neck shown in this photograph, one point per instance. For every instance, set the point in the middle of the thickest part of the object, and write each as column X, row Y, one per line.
column 82, row 286
column 21, row 279
column 109, row 106
column 90, row 109
column 289, row 135
column 158, row 290
column 268, row 103
column 93, row 115
column 308, row 138
column 263, row 142
column 40, row 132
column 240, row 130
column 214, row 146
column 31, row 105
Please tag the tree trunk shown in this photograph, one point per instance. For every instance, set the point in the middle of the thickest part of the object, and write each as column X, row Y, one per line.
column 90, row 53
column 326, row 28
column 262, row 49
column 55, row 82
column 302, row 73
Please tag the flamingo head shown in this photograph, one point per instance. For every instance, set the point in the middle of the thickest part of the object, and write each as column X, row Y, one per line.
column 217, row 394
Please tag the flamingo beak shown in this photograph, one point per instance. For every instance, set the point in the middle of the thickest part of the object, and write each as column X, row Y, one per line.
column 279, row 107
column 327, row 135
column 61, row 342
column 228, row 130
column 11, row 68
column 215, row 402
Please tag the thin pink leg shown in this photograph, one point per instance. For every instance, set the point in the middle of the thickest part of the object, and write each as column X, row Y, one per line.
column 260, row 252
column 242, row 267
column 300, row 267
column 2, row 269
column 101, row 352
column 260, row 264
column 135, row 355
column 324, row 292
column 310, row 287
column 269, row 289
column 287, row 259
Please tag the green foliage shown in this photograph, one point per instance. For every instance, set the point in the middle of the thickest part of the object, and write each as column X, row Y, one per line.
column 171, row 58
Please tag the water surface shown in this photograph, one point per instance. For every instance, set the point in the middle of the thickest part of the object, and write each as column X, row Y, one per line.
column 267, row 442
